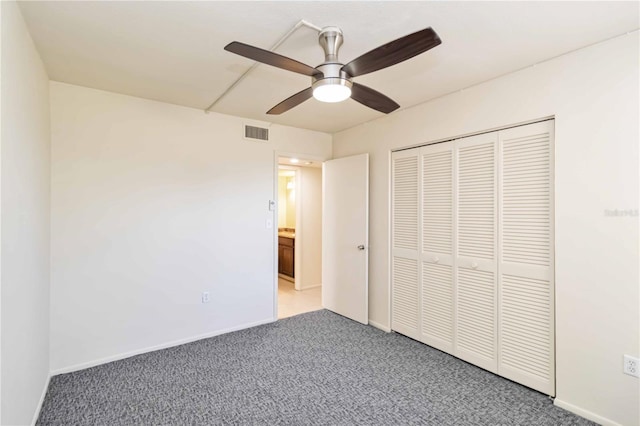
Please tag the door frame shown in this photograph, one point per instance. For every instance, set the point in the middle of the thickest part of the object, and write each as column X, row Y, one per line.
column 297, row 270
column 298, row 240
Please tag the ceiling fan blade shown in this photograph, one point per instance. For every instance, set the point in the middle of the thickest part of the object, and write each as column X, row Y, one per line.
column 393, row 52
column 372, row 99
column 291, row 102
column 270, row 58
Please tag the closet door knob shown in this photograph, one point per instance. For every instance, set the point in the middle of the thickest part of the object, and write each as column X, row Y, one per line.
column 474, row 265
column 436, row 259
column 360, row 247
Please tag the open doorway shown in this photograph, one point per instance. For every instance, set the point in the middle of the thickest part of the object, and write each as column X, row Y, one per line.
column 299, row 236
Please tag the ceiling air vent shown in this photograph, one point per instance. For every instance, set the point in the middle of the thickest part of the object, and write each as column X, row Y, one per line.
column 256, row 133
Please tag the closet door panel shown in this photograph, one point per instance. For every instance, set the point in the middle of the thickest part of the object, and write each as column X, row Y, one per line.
column 526, row 256
column 476, row 251
column 438, row 306
column 404, row 318
column 438, row 292
column 476, row 335
column 405, row 297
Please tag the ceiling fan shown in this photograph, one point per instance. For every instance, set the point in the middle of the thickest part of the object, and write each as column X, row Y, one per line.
column 332, row 81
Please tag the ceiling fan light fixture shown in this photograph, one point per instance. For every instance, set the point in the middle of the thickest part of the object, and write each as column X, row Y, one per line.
column 332, row 90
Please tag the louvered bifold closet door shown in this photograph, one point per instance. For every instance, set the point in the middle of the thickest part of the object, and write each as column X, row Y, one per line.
column 438, row 292
column 476, row 263
column 405, row 301
column 526, row 256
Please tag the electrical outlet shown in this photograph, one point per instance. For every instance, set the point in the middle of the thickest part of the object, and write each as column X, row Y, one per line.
column 631, row 366
column 205, row 297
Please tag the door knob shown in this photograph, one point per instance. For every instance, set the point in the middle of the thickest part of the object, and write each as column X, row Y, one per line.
column 436, row 259
column 360, row 247
column 474, row 265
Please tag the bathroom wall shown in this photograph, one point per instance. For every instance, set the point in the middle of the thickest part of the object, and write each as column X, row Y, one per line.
column 286, row 201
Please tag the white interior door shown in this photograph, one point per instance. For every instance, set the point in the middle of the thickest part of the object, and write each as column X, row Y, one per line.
column 345, row 237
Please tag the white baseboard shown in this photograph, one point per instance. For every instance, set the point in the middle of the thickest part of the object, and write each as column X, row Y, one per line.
column 39, row 407
column 380, row 326
column 286, row 278
column 310, row 287
column 584, row 413
column 179, row 342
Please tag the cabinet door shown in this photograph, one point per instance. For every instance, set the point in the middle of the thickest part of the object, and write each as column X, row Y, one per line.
column 287, row 261
column 405, row 298
column 476, row 264
column 437, row 285
column 526, row 256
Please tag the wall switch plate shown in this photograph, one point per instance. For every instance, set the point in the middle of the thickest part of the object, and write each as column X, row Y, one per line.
column 205, row 297
column 269, row 223
column 631, row 366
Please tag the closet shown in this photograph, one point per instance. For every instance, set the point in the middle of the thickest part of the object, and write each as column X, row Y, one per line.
column 472, row 250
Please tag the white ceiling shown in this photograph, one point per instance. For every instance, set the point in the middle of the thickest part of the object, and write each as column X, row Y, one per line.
column 173, row 51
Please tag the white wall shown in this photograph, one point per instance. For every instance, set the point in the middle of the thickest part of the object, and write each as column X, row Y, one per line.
column 152, row 204
column 309, row 228
column 593, row 94
column 25, row 222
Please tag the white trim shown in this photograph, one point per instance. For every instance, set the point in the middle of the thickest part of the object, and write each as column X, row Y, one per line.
column 380, row 326
column 584, row 413
column 301, row 157
column 179, row 342
column 41, row 401
column 480, row 132
column 310, row 287
column 274, row 220
column 389, row 243
column 298, row 275
column 366, row 237
column 286, row 278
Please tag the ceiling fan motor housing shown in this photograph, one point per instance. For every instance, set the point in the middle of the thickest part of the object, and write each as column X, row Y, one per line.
column 331, row 39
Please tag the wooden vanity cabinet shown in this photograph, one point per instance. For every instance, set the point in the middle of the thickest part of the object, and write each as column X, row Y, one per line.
column 286, row 252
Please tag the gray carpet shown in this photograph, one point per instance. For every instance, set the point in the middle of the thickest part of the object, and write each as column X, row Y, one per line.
column 318, row 368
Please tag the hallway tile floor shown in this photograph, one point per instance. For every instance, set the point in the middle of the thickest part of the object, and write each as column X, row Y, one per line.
column 292, row 302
